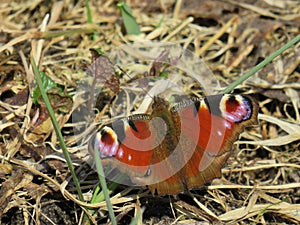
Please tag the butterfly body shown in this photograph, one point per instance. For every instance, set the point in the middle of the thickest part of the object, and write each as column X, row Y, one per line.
column 175, row 149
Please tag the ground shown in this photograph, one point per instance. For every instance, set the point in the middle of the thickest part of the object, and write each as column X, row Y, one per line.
column 261, row 179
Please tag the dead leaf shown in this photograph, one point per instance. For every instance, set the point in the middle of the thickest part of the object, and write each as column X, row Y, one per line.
column 36, row 190
column 19, row 99
column 274, row 94
column 17, row 181
column 205, row 9
column 41, row 125
column 102, row 71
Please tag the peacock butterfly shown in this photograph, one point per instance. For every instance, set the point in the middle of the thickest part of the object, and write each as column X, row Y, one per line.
column 177, row 148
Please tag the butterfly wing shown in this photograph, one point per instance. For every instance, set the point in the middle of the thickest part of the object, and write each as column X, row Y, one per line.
column 173, row 151
column 126, row 144
column 208, row 129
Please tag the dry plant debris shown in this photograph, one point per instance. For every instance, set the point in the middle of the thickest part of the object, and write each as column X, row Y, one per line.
column 261, row 181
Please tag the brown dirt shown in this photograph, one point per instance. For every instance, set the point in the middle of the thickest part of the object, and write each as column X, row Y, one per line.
column 261, row 180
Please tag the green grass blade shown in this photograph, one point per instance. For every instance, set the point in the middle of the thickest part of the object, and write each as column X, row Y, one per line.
column 57, row 129
column 99, row 196
column 67, row 33
column 130, row 23
column 264, row 210
column 89, row 17
column 88, row 12
column 104, row 186
column 261, row 64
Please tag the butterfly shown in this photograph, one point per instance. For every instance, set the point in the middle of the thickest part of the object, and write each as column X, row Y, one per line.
column 178, row 148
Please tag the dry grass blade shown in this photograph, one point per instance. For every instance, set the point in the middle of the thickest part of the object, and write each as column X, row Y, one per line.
column 259, row 184
column 293, row 131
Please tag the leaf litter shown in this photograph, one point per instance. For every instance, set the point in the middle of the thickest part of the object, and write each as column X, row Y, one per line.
column 260, row 182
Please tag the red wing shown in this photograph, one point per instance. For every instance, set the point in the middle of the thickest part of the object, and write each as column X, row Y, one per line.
column 221, row 132
column 208, row 132
column 126, row 145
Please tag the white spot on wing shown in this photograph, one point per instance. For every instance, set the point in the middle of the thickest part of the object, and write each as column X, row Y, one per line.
column 220, row 133
column 227, row 124
column 120, row 153
column 114, row 148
